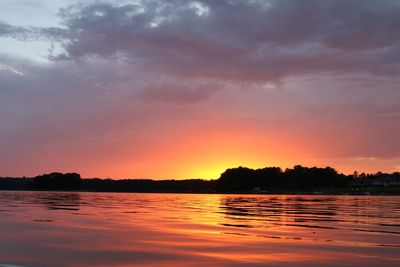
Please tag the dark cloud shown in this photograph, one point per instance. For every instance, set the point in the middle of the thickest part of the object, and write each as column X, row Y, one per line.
column 243, row 40
column 32, row 33
column 7, row 30
column 237, row 40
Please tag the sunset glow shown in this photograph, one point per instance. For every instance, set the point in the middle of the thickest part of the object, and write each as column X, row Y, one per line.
column 177, row 90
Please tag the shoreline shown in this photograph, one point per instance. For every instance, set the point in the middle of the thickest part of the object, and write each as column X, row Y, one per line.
column 298, row 193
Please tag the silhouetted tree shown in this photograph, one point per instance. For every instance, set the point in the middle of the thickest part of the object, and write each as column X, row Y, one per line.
column 245, row 179
column 57, row 181
column 270, row 177
column 238, row 179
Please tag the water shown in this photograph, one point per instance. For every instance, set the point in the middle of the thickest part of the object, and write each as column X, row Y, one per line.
column 43, row 229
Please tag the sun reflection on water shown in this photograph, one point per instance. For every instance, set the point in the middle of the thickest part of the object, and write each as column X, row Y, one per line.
column 107, row 229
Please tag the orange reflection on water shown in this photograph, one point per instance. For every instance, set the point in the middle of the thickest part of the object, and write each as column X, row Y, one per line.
column 103, row 229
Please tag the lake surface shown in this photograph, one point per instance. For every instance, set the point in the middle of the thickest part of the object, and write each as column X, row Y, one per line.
column 43, row 229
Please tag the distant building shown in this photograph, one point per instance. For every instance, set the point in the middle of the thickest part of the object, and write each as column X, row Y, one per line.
column 384, row 180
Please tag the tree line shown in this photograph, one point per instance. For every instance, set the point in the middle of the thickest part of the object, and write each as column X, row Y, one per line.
column 272, row 178
column 234, row 180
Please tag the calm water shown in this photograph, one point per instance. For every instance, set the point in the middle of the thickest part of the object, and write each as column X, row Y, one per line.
column 105, row 229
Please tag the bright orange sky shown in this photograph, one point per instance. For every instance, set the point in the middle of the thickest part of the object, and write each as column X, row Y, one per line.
column 186, row 90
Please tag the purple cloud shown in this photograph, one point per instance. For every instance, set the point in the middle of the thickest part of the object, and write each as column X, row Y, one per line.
column 239, row 40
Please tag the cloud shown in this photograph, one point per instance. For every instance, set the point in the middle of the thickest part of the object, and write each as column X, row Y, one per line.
column 7, row 30
column 231, row 40
column 237, row 40
column 28, row 34
column 182, row 92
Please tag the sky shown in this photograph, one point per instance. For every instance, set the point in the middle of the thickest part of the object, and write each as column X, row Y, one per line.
column 186, row 89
